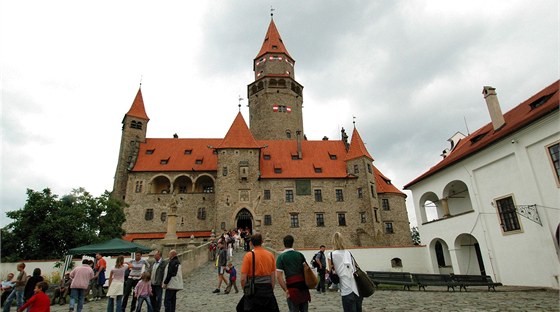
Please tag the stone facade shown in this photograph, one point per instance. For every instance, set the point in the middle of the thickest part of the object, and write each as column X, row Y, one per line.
column 219, row 186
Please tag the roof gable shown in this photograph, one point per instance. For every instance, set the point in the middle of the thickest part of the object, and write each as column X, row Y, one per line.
column 239, row 135
column 272, row 42
column 137, row 109
column 357, row 147
column 539, row 105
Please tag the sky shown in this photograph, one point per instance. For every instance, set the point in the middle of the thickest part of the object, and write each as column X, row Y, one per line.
column 410, row 72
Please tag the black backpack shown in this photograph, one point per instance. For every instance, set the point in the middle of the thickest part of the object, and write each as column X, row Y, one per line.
column 314, row 261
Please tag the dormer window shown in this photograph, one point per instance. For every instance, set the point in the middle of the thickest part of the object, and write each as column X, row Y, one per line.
column 150, row 151
column 188, row 151
column 318, row 170
column 266, row 157
column 332, row 156
column 198, row 161
column 275, row 47
column 478, row 137
column 540, row 101
column 164, row 161
column 277, row 170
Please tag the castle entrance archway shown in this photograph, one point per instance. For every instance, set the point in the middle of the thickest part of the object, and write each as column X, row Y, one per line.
column 244, row 219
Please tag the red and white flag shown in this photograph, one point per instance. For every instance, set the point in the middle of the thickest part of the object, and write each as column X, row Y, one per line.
column 275, row 108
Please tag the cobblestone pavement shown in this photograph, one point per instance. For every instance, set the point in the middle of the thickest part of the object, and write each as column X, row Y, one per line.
column 199, row 284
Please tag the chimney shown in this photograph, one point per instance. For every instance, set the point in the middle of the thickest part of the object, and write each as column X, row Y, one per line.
column 298, row 135
column 493, row 107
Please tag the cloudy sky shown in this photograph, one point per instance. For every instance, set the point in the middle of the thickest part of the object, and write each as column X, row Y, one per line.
column 411, row 72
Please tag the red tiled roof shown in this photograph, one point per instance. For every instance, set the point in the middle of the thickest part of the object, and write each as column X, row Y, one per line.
column 517, row 118
column 315, row 154
column 137, row 109
column 357, row 147
column 132, row 236
column 272, row 42
column 383, row 184
column 239, row 135
column 172, row 155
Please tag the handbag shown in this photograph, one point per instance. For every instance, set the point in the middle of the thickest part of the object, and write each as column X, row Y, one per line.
column 249, row 288
column 309, row 275
column 364, row 283
column 332, row 274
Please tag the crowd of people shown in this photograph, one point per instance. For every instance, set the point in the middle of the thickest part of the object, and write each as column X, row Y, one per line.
column 156, row 284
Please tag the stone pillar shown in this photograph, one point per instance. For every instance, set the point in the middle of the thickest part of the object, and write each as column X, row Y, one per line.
column 172, row 222
column 192, row 244
column 445, row 207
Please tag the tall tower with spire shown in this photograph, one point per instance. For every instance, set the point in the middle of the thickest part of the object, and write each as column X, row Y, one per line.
column 135, row 125
column 275, row 97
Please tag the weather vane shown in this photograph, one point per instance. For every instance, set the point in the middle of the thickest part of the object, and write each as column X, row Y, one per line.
column 141, row 76
column 271, row 11
column 239, row 104
column 354, row 121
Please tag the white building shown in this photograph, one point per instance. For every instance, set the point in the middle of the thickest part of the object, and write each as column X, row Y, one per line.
column 496, row 195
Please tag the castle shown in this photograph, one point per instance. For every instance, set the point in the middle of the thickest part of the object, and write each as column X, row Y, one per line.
column 268, row 177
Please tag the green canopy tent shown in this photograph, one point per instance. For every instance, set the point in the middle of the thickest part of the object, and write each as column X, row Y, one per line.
column 113, row 247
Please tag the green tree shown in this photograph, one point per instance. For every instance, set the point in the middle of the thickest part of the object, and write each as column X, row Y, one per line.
column 415, row 235
column 46, row 227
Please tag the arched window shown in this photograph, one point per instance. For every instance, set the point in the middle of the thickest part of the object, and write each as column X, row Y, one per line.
column 288, row 134
column 396, row 263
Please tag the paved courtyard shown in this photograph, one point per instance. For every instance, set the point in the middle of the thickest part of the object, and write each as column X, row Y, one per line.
column 198, row 296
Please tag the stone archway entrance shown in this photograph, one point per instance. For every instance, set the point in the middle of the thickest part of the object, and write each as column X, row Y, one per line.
column 469, row 256
column 244, row 219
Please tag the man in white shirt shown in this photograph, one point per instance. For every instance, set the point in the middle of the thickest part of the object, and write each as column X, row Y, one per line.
column 136, row 268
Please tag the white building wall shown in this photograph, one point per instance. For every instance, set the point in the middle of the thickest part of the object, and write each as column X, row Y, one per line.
column 517, row 166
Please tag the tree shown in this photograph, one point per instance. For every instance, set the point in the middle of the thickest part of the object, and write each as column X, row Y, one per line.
column 415, row 235
column 47, row 227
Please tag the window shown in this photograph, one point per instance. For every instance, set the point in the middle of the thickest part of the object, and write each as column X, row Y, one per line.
column 149, row 215
column 139, row 186
column 182, row 189
column 363, row 217
column 198, row 161
column 208, row 189
column 396, row 263
column 136, row 124
column 318, row 196
column 288, row 134
column 360, row 193
column 163, row 216
column 266, row 157
column 289, row 196
column 339, row 195
column 188, row 151
column 318, row 170
column 356, row 169
column 267, row 220
column 332, row 156
column 224, row 171
column 385, row 204
column 164, row 161
column 295, row 157
column 369, row 168
column 342, row 219
column 375, row 215
column 266, row 194
column 201, row 214
column 320, row 219
column 554, row 155
column 277, row 170
column 508, row 215
column 389, row 228
column 372, row 191
column 294, row 220
column 150, row 151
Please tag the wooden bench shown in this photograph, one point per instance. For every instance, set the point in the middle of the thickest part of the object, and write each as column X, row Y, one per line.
column 474, row 280
column 392, row 278
column 424, row 280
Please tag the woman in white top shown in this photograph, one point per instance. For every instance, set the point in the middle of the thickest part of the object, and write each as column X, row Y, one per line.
column 116, row 285
column 341, row 260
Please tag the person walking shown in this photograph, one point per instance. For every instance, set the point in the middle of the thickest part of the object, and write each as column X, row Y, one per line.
column 222, row 264
column 232, row 278
column 173, row 281
column 18, row 290
column 135, row 267
column 344, row 267
column 289, row 272
column 264, row 274
column 158, row 271
column 80, row 281
column 116, row 285
column 321, row 268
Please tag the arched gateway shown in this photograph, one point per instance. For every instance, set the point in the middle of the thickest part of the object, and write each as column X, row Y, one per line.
column 244, row 219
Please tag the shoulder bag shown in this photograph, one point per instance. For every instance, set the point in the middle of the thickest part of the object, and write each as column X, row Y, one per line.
column 364, row 283
column 249, row 288
column 309, row 275
column 332, row 273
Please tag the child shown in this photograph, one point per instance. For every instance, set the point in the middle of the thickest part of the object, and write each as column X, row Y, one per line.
column 39, row 302
column 143, row 291
column 232, row 278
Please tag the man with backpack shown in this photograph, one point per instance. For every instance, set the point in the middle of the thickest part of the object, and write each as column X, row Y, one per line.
column 320, row 262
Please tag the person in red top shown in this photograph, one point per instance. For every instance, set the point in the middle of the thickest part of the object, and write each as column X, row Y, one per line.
column 39, row 302
column 100, row 278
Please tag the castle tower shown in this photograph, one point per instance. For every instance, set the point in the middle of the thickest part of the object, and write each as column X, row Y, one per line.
column 135, row 125
column 275, row 97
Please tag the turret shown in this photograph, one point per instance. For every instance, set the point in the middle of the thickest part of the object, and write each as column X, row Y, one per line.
column 134, row 128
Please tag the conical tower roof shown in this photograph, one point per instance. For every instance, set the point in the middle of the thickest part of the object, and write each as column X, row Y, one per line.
column 137, row 109
column 238, row 135
column 357, row 147
column 272, row 42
